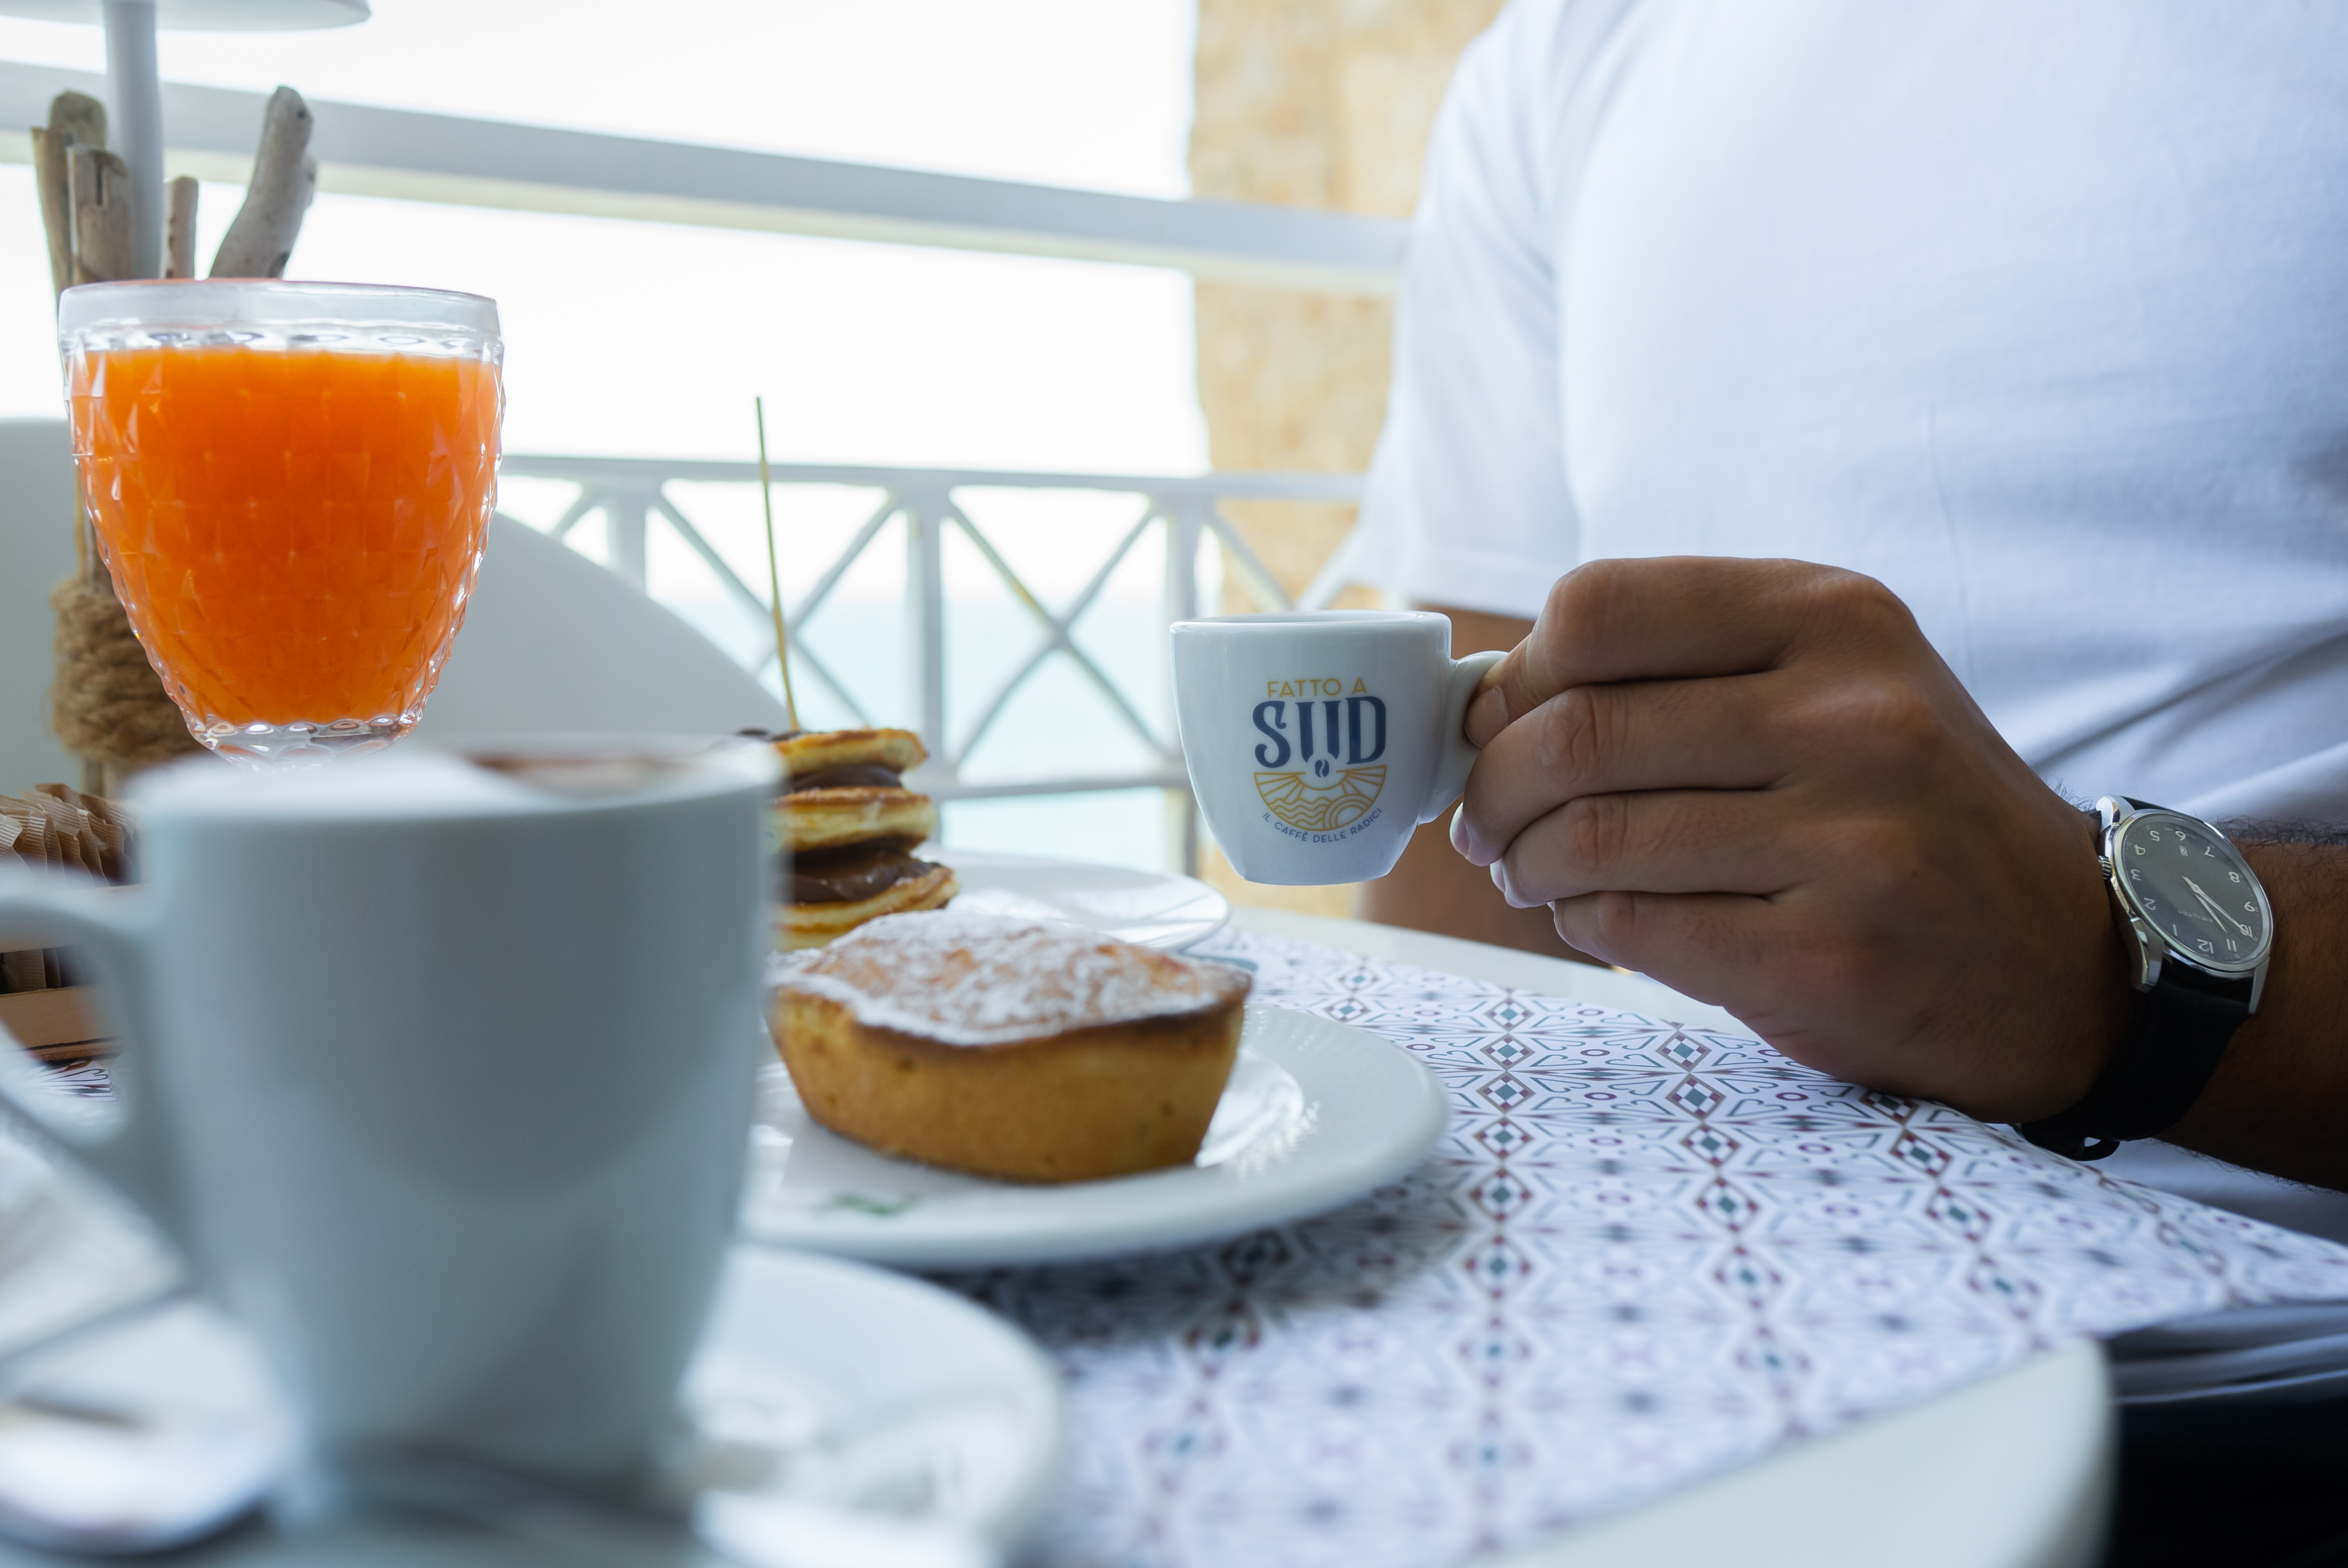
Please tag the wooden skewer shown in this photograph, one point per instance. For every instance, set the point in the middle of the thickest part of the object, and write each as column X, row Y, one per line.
column 774, row 570
column 180, row 230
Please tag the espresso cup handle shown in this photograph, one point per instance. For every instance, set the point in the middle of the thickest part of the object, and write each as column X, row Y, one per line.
column 128, row 1151
column 1451, row 772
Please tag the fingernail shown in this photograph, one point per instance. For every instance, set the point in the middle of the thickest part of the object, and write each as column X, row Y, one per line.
column 1463, row 837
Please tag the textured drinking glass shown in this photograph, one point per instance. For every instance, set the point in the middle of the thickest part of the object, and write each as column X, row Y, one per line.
column 291, row 484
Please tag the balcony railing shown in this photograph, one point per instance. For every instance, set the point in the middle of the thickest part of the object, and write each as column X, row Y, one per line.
column 400, row 153
column 632, row 498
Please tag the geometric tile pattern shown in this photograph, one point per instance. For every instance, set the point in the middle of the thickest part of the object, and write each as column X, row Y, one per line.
column 1642, row 1254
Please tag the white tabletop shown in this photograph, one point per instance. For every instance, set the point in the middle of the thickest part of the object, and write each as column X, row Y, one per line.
column 2012, row 1472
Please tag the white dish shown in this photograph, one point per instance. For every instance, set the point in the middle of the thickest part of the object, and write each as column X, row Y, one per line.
column 879, row 1394
column 1315, row 1114
column 818, row 1383
column 1153, row 908
column 69, row 1254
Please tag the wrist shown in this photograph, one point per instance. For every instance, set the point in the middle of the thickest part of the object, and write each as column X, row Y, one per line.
column 2222, row 1122
column 2102, row 1001
column 2197, row 973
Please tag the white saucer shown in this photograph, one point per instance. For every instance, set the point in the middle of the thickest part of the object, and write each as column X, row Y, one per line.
column 70, row 1252
column 820, row 1382
column 1316, row 1114
column 1152, row 909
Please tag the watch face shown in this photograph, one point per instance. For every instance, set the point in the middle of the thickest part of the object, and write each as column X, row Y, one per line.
column 2192, row 887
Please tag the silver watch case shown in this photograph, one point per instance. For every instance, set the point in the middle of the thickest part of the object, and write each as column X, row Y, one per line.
column 2148, row 947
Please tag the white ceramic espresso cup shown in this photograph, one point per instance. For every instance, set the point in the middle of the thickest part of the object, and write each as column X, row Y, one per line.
column 1318, row 740
column 440, row 1075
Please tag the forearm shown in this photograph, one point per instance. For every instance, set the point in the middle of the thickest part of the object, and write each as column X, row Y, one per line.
column 2279, row 1100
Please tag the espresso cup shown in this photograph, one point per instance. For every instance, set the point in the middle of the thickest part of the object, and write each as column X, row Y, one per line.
column 1318, row 740
column 438, row 1070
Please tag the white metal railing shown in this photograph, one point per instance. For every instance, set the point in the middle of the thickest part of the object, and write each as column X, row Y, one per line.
column 211, row 133
column 632, row 496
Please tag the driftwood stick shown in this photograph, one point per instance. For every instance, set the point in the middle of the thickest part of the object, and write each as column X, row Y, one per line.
column 261, row 241
column 53, row 177
column 180, row 229
column 77, row 117
column 73, row 117
column 102, row 245
column 55, row 183
column 102, row 199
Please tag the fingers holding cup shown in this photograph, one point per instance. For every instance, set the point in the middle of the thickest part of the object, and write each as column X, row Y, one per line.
column 1655, row 840
column 1616, row 739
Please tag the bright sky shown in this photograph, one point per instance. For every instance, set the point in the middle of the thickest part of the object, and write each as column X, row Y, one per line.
column 644, row 339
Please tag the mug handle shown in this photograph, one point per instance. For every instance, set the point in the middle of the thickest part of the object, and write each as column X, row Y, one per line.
column 129, row 1150
column 1451, row 772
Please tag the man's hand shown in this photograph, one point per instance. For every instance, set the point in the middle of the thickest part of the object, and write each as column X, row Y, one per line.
column 1757, row 781
column 1431, row 888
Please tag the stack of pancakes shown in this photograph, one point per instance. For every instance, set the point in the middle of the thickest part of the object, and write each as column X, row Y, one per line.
column 847, row 827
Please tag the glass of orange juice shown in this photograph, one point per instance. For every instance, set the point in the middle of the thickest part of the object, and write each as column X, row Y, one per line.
column 291, row 484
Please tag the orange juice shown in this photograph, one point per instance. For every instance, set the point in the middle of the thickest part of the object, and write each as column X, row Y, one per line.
column 294, row 532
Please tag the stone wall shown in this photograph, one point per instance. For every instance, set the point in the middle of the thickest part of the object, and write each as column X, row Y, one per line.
column 1324, row 104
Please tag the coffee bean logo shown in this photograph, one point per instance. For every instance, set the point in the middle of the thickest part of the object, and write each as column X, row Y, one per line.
column 1335, row 744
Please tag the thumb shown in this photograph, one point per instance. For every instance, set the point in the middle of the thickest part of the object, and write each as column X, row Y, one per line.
column 1488, row 711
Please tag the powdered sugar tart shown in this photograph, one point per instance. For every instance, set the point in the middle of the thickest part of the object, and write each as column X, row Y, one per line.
column 958, row 978
column 1023, row 1050
column 1313, row 1114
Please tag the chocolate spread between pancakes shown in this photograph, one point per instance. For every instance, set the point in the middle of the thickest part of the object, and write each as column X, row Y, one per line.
column 850, row 875
column 845, row 826
column 855, row 775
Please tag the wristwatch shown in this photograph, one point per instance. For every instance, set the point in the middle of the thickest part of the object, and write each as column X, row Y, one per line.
column 2199, row 932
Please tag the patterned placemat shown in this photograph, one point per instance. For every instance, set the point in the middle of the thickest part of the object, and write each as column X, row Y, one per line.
column 1642, row 1254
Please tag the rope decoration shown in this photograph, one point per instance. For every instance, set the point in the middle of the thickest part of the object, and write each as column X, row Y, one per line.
column 107, row 705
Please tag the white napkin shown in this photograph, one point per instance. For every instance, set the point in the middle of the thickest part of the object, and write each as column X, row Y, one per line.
column 2248, row 1354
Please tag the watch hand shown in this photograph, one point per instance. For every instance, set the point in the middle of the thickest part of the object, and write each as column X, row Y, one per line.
column 2211, row 905
column 2208, row 904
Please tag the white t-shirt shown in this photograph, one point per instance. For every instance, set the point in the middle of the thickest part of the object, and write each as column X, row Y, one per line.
column 2037, row 313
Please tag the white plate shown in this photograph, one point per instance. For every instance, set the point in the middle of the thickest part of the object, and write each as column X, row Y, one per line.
column 1315, row 1114
column 1154, row 909
column 879, row 1394
column 819, row 1383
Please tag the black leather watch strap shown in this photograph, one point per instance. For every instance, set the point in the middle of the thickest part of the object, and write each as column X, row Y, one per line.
column 2173, row 1044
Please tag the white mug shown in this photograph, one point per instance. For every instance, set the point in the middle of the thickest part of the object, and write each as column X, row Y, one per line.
column 1318, row 740
column 439, row 1071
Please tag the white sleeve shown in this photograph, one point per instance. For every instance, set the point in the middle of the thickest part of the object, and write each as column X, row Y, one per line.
column 1468, row 502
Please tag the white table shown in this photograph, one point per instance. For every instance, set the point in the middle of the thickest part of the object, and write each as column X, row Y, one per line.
column 2013, row 1472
